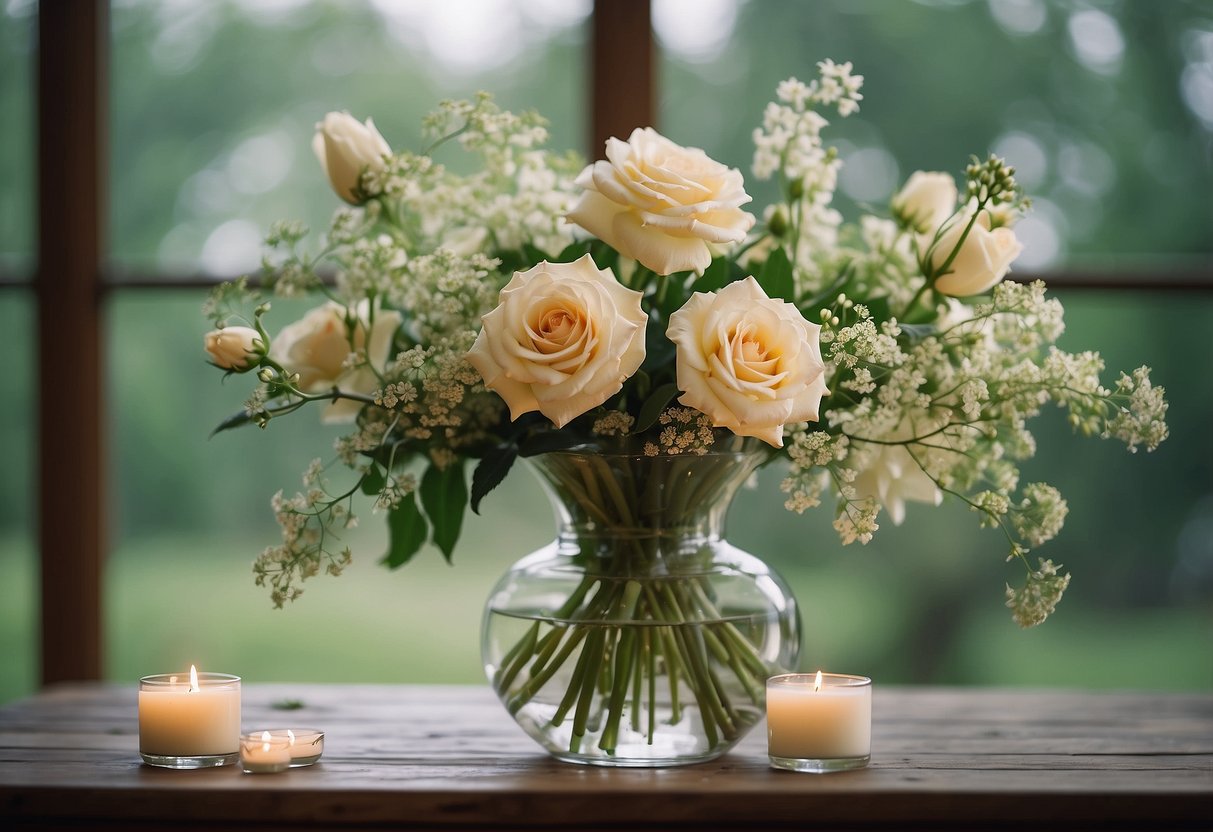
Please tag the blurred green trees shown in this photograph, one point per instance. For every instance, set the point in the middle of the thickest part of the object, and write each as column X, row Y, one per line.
column 1106, row 108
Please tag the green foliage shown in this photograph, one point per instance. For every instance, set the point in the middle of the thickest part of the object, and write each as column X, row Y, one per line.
column 407, row 531
column 444, row 496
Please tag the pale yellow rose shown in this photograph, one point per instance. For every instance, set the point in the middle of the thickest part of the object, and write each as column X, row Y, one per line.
column 346, row 148
column 318, row 348
column 983, row 260
column 926, row 200
column 562, row 340
column 661, row 203
column 236, row 348
column 750, row 362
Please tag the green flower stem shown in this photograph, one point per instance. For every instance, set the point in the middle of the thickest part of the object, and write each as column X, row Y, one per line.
column 625, row 659
column 601, row 601
column 650, row 657
column 522, row 651
column 592, row 656
column 695, row 661
column 673, row 669
column 738, row 642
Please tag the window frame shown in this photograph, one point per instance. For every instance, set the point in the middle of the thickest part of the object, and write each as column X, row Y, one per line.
column 72, row 282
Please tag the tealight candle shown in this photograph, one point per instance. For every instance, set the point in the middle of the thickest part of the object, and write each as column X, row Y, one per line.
column 305, row 744
column 263, row 753
column 819, row 723
column 189, row 723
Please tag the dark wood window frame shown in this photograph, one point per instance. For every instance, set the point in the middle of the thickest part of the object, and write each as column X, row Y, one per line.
column 72, row 281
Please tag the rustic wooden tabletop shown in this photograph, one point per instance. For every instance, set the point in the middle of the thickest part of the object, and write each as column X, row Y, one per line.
column 426, row 757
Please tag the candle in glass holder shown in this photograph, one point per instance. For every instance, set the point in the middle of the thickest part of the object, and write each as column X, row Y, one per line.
column 819, row 722
column 263, row 753
column 306, row 744
column 189, row 721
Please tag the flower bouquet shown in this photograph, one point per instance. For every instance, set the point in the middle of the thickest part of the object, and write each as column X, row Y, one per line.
column 632, row 328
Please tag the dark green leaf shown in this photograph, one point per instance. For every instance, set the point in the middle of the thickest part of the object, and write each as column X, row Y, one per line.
column 234, row 421
column 574, row 252
column 548, row 441
column 672, row 295
column 604, row 256
column 533, row 254
column 653, row 405
column 372, row 482
column 715, row 276
column 444, row 494
column 776, row 276
column 406, row 532
column 490, row 471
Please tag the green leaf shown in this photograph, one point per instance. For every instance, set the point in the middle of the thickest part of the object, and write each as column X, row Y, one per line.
column 572, row 252
column 653, row 405
column 372, row 482
column 776, row 276
column 490, row 471
column 534, row 254
column 604, row 256
column 406, row 532
column 444, row 495
column 234, row 421
column 714, row 277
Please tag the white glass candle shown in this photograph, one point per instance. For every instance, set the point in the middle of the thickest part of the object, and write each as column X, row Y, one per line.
column 189, row 720
column 264, row 753
column 819, row 722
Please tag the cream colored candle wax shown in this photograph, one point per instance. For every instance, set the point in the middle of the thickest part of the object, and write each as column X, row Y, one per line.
column 821, row 717
column 198, row 716
column 263, row 753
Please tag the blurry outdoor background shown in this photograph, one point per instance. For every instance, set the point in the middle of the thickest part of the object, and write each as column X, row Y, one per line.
column 1106, row 109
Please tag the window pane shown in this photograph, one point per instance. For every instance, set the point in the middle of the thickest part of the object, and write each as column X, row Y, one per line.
column 16, row 140
column 191, row 513
column 1107, row 111
column 923, row 602
column 213, row 105
column 18, row 566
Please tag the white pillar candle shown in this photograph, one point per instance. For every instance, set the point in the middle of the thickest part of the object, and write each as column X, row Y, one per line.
column 823, row 716
column 195, row 717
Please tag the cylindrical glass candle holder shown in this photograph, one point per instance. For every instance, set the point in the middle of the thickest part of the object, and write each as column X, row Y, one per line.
column 306, row 744
column 819, row 722
column 186, row 726
column 264, row 753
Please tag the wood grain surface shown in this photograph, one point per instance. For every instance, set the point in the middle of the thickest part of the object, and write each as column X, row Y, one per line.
column 427, row 757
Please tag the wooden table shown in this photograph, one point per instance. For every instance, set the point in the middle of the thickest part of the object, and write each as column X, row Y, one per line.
column 449, row 758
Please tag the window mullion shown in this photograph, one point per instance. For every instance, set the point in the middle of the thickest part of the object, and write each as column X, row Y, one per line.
column 72, row 87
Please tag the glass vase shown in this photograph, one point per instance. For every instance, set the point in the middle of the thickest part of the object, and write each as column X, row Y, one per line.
column 640, row 636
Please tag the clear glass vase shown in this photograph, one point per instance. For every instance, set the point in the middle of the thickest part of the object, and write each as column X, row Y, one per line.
column 640, row 636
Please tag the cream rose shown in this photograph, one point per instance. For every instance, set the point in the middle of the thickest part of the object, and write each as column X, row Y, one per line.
column 562, row 340
column 345, row 149
column 751, row 363
column 661, row 203
column 984, row 258
column 926, row 200
column 317, row 347
column 235, row 348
